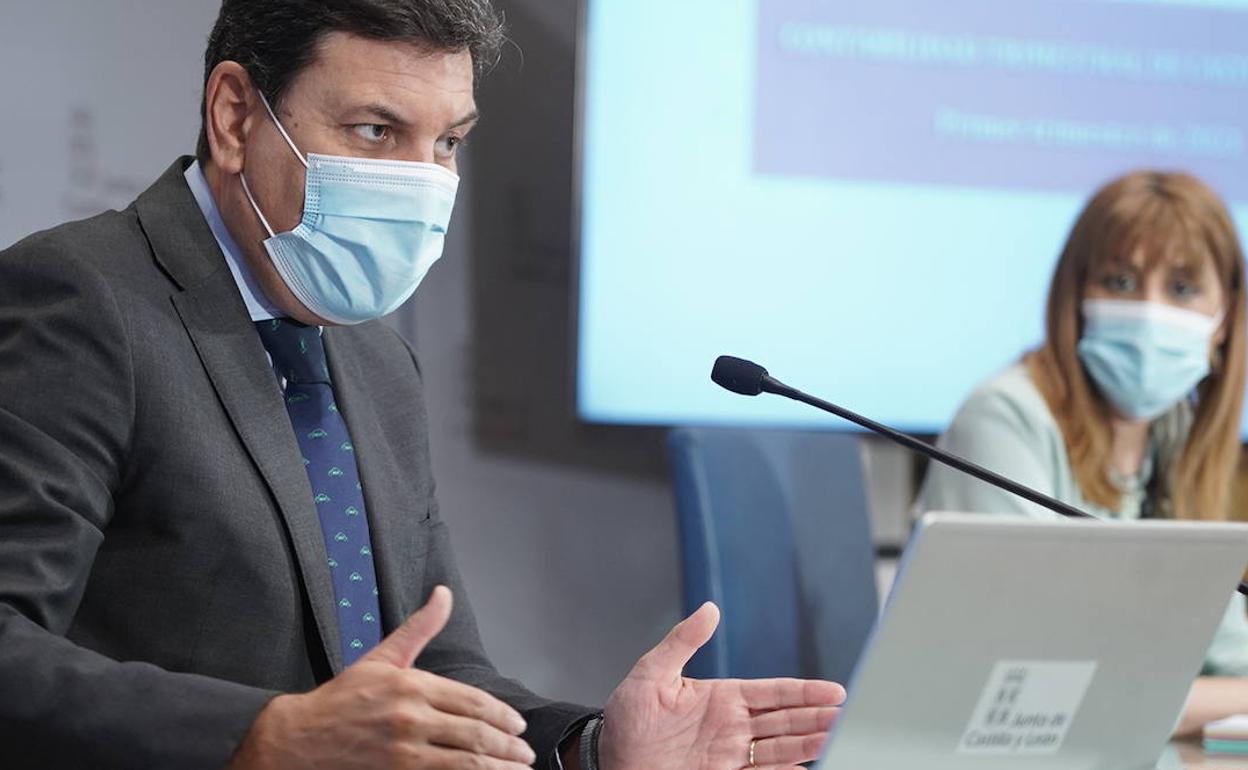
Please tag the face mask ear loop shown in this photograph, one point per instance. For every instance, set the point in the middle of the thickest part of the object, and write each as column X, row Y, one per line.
column 282, row 129
column 290, row 142
column 252, row 201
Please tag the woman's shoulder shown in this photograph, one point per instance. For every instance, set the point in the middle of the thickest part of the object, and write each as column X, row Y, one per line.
column 1009, row 399
column 1005, row 426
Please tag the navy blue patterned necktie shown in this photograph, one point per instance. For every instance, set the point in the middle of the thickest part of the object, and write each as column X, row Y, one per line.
column 299, row 358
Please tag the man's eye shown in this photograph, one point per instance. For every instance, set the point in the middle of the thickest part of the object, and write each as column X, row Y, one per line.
column 372, row 132
column 448, row 144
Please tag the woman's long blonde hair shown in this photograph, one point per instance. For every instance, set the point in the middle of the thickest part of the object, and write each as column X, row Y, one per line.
column 1165, row 217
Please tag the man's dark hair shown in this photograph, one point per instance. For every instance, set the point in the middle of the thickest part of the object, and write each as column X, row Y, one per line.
column 275, row 39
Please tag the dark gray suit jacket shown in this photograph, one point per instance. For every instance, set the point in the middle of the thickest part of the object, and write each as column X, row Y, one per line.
column 162, row 572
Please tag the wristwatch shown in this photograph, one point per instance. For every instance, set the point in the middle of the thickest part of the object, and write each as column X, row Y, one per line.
column 589, row 744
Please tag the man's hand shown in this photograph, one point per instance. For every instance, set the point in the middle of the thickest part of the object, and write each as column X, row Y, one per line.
column 658, row 719
column 381, row 712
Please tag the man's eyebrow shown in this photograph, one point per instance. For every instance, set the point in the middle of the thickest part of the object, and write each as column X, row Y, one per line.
column 471, row 117
column 385, row 114
column 389, row 116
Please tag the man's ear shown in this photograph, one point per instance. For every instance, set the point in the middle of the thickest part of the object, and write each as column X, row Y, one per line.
column 229, row 101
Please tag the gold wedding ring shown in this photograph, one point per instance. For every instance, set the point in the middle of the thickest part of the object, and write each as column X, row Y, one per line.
column 753, row 745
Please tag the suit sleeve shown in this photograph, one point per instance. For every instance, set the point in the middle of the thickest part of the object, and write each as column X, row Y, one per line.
column 66, row 413
column 457, row 653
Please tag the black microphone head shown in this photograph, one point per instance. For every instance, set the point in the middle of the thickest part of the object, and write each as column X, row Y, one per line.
column 738, row 375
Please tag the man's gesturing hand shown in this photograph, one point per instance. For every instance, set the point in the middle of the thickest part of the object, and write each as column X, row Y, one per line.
column 658, row 719
column 381, row 712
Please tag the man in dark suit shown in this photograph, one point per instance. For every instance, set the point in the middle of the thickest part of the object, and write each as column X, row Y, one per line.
column 219, row 543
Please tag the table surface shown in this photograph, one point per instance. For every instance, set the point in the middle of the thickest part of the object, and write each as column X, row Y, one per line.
column 1183, row 755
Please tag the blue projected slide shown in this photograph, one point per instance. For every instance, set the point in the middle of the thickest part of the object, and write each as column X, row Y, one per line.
column 867, row 198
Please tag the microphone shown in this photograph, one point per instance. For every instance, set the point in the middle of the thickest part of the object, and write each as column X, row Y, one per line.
column 739, row 376
column 749, row 379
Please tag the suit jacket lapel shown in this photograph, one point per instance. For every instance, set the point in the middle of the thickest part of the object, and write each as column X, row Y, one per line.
column 216, row 319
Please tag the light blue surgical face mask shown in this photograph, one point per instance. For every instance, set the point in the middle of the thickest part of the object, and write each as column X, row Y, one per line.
column 371, row 229
column 1144, row 356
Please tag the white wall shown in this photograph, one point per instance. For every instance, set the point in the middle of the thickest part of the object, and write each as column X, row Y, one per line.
column 97, row 97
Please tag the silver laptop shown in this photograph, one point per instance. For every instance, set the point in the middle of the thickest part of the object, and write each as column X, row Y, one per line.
column 1013, row 644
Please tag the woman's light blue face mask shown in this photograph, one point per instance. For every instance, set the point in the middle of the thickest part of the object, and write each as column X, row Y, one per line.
column 371, row 229
column 1145, row 357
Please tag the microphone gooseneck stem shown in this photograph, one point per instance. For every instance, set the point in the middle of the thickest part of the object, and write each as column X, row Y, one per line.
column 772, row 385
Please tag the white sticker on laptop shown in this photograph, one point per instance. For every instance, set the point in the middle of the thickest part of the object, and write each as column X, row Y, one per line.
column 1027, row 707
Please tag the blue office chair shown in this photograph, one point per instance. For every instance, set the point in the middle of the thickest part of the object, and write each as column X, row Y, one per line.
column 775, row 529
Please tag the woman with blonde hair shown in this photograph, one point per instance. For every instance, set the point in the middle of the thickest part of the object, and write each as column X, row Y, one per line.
column 1131, row 407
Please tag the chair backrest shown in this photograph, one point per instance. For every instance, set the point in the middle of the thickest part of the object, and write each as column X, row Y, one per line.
column 775, row 529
